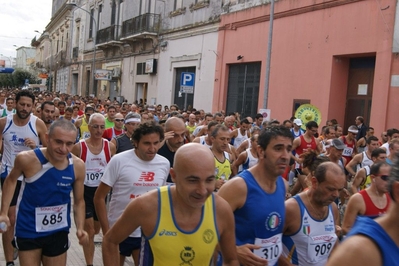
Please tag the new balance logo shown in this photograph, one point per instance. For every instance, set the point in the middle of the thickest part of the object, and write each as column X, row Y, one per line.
column 147, row 177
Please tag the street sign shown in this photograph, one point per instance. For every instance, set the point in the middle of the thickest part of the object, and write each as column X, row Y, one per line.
column 6, row 70
column 187, row 82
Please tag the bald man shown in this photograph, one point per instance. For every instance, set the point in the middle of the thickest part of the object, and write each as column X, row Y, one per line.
column 175, row 131
column 200, row 219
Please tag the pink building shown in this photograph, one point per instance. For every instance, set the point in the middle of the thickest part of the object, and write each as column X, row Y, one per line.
column 339, row 55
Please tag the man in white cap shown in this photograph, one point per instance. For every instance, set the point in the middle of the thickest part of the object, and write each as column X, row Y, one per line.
column 350, row 141
column 297, row 130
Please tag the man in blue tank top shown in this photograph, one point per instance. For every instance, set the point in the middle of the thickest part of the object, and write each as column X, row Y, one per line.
column 44, row 205
column 257, row 198
column 373, row 242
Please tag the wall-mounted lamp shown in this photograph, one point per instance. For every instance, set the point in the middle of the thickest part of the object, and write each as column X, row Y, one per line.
column 239, row 57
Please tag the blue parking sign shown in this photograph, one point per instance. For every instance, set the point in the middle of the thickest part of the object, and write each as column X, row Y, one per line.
column 187, row 82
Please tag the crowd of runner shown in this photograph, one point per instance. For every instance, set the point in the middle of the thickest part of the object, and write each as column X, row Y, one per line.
column 169, row 186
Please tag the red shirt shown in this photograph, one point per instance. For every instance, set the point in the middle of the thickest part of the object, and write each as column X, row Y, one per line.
column 111, row 133
column 373, row 211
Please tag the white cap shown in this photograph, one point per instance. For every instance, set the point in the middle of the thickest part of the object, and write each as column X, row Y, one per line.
column 298, row 122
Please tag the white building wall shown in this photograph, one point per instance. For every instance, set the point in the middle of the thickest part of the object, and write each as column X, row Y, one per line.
column 199, row 51
column 62, row 79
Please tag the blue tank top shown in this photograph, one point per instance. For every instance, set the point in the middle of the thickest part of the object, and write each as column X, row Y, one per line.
column 44, row 202
column 262, row 217
column 370, row 228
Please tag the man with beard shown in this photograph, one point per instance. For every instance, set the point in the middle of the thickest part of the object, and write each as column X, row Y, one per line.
column 261, row 188
column 47, row 113
column 175, row 130
column 20, row 132
column 130, row 174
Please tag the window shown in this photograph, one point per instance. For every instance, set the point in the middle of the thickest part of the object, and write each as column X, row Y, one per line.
column 120, row 12
column 113, row 13
column 100, row 10
column 178, row 4
column 91, row 23
column 297, row 103
column 140, row 69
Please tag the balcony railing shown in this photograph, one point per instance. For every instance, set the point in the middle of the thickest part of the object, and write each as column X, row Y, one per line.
column 146, row 23
column 107, row 35
column 75, row 52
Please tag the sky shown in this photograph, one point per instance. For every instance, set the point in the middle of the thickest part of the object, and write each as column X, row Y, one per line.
column 19, row 20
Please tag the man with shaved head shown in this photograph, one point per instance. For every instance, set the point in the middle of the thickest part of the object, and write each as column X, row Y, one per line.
column 193, row 220
column 175, row 131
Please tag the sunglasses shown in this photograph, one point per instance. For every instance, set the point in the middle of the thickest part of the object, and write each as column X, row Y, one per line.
column 119, row 120
column 384, row 177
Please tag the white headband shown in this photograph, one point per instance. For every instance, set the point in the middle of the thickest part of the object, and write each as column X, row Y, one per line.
column 132, row 120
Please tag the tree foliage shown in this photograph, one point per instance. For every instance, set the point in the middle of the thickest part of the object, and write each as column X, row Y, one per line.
column 17, row 78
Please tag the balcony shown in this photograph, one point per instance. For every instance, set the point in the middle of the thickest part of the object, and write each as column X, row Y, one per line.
column 140, row 27
column 75, row 52
column 108, row 36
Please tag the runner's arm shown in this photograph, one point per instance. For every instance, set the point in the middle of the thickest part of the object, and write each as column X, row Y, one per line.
column 355, row 160
column 225, row 221
column 353, row 209
column 78, row 200
column 9, row 186
column 99, row 205
column 359, row 177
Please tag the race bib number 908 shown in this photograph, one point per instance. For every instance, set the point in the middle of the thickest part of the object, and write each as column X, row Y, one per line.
column 51, row 218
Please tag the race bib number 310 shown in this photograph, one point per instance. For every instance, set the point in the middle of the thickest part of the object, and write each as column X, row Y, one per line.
column 271, row 248
column 51, row 218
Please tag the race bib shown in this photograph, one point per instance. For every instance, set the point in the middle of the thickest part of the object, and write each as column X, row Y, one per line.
column 319, row 247
column 86, row 135
column 347, row 152
column 271, row 248
column 51, row 218
column 93, row 179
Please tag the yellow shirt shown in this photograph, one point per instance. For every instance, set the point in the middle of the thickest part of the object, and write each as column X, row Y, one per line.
column 170, row 245
column 191, row 128
column 223, row 169
column 84, row 129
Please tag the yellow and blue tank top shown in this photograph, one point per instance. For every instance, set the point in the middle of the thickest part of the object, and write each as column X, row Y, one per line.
column 367, row 181
column 223, row 169
column 84, row 129
column 171, row 245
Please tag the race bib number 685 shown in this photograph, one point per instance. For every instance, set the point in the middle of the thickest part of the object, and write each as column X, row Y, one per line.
column 51, row 218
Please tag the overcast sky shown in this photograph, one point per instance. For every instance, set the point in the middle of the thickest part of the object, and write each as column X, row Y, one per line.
column 19, row 20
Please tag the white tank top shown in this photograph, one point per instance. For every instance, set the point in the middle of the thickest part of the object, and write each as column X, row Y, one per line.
column 240, row 138
column 203, row 142
column 95, row 163
column 313, row 242
column 251, row 160
column 365, row 161
column 14, row 141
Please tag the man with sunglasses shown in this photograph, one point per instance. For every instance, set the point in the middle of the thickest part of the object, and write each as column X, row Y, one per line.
column 371, row 202
column 373, row 242
column 96, row 153
column 117, row 129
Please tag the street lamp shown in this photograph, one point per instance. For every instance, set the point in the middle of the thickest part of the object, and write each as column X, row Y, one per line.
column 94, row 43
column 47, row 35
